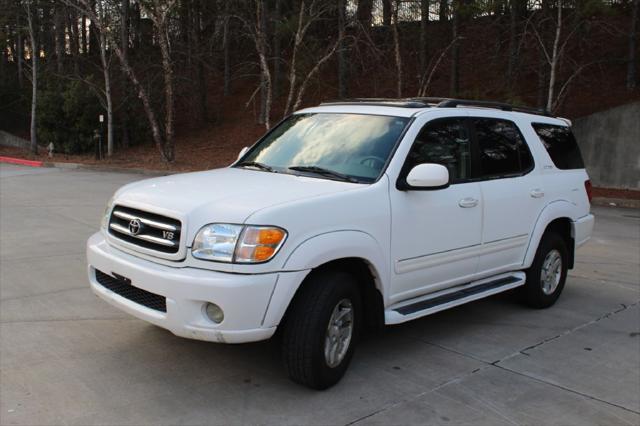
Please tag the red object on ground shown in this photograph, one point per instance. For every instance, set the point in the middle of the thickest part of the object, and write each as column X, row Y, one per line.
column 20, row 161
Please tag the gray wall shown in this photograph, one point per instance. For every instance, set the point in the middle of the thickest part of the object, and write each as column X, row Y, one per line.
column 7, row 139
column 610, row 144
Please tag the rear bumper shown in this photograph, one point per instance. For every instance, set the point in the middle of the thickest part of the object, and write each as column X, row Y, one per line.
column 582, row 229
column 244, row 298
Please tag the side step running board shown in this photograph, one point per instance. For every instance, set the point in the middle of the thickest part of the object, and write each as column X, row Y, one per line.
column 439, row 301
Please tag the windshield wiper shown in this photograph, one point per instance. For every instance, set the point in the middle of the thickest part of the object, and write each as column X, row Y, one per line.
column 256, row 165
column 322, row 171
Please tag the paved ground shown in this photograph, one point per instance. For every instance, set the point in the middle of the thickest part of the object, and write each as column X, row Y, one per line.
column 68, row 358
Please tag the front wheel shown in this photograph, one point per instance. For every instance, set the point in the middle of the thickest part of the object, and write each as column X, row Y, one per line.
column 321, row 329
column 548, row 272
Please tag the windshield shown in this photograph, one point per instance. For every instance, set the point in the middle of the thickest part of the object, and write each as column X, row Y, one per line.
column 352, row 147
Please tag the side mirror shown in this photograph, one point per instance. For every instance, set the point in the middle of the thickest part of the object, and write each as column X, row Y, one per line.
column 243, row 151
column 428, row 177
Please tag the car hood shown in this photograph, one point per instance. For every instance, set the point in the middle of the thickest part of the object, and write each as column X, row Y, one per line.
column 228, row 195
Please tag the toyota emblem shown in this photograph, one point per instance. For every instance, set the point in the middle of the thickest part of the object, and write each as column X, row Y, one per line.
column 135, row 226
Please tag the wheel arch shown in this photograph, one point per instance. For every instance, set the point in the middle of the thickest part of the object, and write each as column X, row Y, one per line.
column 557, row 216
column 353, row 251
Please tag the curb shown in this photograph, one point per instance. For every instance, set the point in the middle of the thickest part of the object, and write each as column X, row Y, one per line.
column 616, row 202
column 91, row 167
column 21, row 162
column 80, row 166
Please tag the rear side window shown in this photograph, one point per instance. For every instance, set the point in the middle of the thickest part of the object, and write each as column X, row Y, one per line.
column 561, row 145
column 502, row 149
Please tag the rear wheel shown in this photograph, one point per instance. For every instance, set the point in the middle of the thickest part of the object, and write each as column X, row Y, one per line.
column 548, row 272
column 321, row 329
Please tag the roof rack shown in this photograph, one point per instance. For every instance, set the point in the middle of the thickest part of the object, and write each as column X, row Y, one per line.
column 430, row 102
column 454, row 103
column 395, row 102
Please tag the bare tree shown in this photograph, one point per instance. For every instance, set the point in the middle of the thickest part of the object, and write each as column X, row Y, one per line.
column 59, row 37
column 555, row 57
column 260, row 40
column 343, row 65
column 34, row 75
column 19, row 48
column 632, row 69
column 107, row 78
column 424, row 23
column 396, row 49
column 306, row 17
column 455, row 54
column 158, row 12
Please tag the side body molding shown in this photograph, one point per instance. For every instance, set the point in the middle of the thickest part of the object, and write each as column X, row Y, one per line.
column 554, row 210
column 319, row 250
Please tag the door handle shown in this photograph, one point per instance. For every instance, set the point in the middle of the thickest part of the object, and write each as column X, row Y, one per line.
column 469, row 202
column 537, row 193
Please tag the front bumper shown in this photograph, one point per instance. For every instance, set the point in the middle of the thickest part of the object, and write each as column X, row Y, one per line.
column 244, row 298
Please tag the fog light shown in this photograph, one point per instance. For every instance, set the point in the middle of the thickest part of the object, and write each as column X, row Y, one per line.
column 214, row 312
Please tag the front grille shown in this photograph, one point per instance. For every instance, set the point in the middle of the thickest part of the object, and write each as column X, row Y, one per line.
column 135, row 294
column 144, row 229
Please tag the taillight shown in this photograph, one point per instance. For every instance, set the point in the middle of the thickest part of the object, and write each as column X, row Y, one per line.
column 589, row 189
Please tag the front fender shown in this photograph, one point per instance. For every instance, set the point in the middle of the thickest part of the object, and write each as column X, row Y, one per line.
column 555, row 210
column 317, row 251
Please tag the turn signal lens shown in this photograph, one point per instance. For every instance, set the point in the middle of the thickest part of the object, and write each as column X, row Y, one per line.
column 259, row 244
column 254, row 235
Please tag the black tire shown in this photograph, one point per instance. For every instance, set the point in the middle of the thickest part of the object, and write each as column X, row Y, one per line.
column 534, row 293
column 306, row 325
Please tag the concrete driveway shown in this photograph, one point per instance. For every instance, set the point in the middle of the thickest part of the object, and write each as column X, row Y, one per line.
column 68, row 358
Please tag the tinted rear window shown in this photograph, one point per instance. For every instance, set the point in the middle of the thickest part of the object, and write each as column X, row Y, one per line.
column 561, row 145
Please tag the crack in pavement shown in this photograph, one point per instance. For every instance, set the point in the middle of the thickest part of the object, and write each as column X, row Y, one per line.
column 67, row 320
column 46, row 293
column 496, row 363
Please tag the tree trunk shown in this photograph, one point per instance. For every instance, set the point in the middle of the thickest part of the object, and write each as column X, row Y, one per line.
column 107, row 83
column 396, row 46
column 455, row 50
column 34, row 80
column 124, row 43
column 513, row 47
column 59, row 37
column 196, row 35
column 424, row 22
column 74, row 38
column 554, row 59
column 343, row 58
column 225, row 54
column 277, row 49
column 263, row 29
column 19, row 50
column 632, row 69
column 83, row 33
column 387, row 12
column 168, row 94
column 363, row 12
column 297, row 41
column 443, row 11
column 261, row 47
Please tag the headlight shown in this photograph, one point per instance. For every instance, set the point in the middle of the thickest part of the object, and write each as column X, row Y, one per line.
column 107, row 212
column 237, row 243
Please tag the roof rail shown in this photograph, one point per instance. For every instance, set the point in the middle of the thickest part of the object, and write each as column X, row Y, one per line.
column 454, row 103
column 426, row 102
column 396, row 102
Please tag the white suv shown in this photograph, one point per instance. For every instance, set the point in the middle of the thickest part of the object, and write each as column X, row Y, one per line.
column 366, row 212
